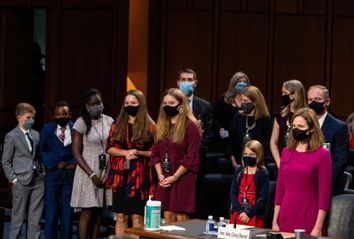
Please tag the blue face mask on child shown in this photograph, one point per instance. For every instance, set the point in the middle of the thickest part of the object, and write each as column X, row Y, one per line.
column 186, row 87
column 249, row 161
column 28, row 123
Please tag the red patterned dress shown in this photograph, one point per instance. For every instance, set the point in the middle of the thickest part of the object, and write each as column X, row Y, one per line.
column 131, row 187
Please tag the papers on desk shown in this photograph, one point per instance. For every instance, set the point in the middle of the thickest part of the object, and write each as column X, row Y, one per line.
column 240, row 227
column 172, row 228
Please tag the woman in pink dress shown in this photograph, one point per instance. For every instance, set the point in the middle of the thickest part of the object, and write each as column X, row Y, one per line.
column 304, row 180
column 175, row 156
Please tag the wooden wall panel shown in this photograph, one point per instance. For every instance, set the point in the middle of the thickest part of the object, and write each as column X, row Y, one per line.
column 86, row 56
column 189, row 44
column 259, row 6
column 178, row 4
column 286, row 6
column 230, row 5
column 317, row 7
column 299, row 52
column 242, row 46
column 344, row 7
column 342, row 83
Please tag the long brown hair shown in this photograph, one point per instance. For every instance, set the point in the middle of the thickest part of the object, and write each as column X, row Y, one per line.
column 295, row 87
column 257, row 98
column 315, row 139
column 142, row 127
column 177, row 133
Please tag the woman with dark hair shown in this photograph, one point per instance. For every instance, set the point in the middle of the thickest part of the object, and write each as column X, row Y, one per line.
column 129, row 144
column 226, row 107
column 304, row 180
column 90, row 133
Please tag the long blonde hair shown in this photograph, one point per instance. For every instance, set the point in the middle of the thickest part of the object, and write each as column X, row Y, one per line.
column 257, row 98
column 143, row 124
column 295, row 87
column 315, row 139
column 163, row 127
column 257, row 148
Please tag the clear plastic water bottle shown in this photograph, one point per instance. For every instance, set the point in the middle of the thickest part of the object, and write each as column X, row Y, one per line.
column 222, row 222
column 209, row 226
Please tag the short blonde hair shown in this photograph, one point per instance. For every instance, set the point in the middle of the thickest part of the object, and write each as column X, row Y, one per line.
column 23, row 108
column 257, row 148
column 315, row 139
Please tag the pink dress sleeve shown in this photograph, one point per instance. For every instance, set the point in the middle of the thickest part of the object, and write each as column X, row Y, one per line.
column 279, row 193
column 324, row 179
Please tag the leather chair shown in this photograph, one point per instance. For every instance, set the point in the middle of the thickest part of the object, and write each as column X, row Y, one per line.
column 213, row 198
column 218, row 163
column 269, row 207
column 340, row 218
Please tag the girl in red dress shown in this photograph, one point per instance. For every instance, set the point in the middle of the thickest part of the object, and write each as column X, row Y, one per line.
column 249, row 188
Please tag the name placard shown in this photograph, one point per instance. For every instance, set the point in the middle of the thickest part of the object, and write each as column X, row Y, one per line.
column 231, row 233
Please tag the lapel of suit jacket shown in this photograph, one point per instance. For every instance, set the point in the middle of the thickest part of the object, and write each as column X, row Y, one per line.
column 326, row 124
column 195, row 106
column 22, row 137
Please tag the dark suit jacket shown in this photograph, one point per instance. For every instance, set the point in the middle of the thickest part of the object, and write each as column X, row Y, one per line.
column 51, row 149
column 17, row 159
column 336, row 133
column 203, row 112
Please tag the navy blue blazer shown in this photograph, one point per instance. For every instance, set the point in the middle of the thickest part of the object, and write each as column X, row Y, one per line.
column 336, row 133
column 261, row 181
column 51, row 149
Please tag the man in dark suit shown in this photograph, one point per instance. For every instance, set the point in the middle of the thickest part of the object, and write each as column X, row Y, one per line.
column 23, row 169
column 187, row 81
column 55, row 152
column 334, row 131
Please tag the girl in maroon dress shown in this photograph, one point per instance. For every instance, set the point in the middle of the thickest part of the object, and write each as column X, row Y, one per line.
column 175, row 156
column 130, row 176
column 249, row 188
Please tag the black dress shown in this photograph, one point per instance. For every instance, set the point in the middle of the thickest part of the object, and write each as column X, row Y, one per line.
column 257, row 130
column 222, row 114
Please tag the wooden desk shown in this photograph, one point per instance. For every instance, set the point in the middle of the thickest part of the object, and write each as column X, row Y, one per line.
column 194, row 229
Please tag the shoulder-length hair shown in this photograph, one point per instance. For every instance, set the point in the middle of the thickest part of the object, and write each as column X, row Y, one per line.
column 257, row 148
column 257, row 98
column 143, row 124
column 296, row 88
column 231, row 92
column 315, row 139
column 177, row 133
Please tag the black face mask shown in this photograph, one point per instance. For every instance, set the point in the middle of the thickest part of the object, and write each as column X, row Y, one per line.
column 300, row 135
column 318, row 107
column 247, row 108
column 171, row 110
column 131, row 110
column 62, row 122
column 286, row 99
column 249, row 161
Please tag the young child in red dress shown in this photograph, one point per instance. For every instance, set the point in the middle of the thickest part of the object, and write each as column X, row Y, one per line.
column 249, row 188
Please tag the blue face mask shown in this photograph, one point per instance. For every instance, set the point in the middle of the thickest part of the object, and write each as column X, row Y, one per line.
column 186, row 87
column 29, row 123
column 240, row 86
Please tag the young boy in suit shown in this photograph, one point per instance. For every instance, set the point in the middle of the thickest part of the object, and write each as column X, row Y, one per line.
column 55, row 153
column 24, row 171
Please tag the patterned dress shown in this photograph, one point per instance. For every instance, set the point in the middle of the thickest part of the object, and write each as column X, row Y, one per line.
column 132, row 186
column 85, row 194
